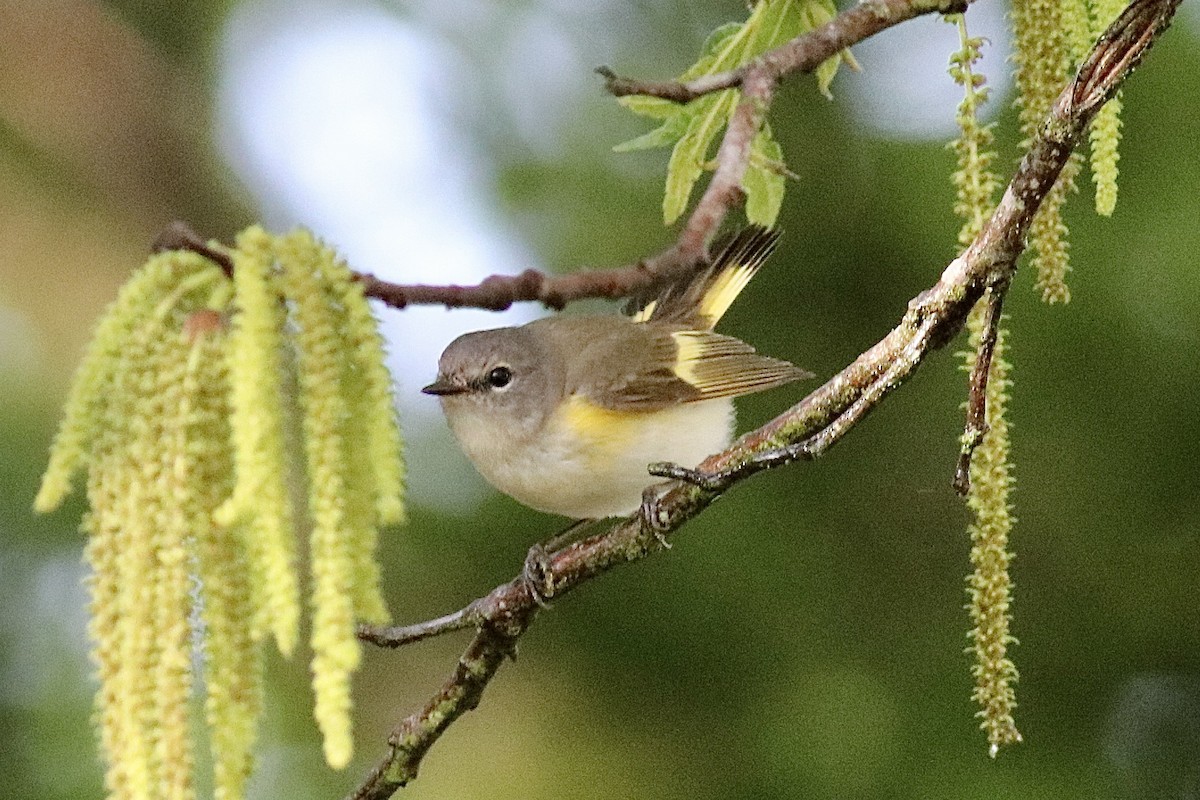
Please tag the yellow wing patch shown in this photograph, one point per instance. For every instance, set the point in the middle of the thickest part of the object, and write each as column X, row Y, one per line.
column 722, row 366
column 646, row 313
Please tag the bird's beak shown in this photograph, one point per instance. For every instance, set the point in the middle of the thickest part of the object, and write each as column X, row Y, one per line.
column 444, row 386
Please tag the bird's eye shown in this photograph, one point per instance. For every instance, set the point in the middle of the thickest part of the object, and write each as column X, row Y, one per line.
column 499, row 377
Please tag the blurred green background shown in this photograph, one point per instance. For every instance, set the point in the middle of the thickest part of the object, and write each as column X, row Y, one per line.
column 804, row 638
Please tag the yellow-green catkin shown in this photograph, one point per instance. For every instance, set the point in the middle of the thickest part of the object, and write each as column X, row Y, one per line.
column 172, row 602
column 355, row 473
column 988, row 585
column 1043, row 50
column 1105, row 133
column 259, row 507
column 122, row 424
column 375, row 476
column 974, row 181
column 989, row 588
column 321, row 362
column 352, row 451
column 98, row 423
column 232, row 657
column 105, row 356
column 323, row 367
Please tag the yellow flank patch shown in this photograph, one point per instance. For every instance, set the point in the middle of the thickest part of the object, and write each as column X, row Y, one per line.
column 602, row 436
column 598, row 426
column 725, row 288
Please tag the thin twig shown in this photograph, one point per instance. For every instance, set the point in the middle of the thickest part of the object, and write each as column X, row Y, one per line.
column 803, row 54
column 180, row 236
column 976, row 426
column 812, row 426
column 675, row 91
column 499, row 292
column 495, row 293
column 461, row 693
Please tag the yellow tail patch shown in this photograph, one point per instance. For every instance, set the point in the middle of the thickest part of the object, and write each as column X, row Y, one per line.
column 724, row 289
column 647, row 312
column 702, row 301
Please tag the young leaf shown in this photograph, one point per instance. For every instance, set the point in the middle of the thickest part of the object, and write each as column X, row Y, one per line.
column 720, row 51
column 663, row 136
column 653, row 107
column 691, row 151
column 693, row 127
column 764, row 181
column 817, row 13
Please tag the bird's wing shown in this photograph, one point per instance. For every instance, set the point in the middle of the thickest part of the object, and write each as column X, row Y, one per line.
column 682, row 366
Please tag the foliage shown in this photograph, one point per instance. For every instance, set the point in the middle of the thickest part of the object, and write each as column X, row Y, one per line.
column 691, row 129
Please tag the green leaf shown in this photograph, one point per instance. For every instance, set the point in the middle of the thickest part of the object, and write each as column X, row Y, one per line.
column 664, row 135
column 825, row 73
column 693, row 127
column 719, row 51
column 780, row 21
column 691, row 151
column 817, row 13
column 763, row 182
column 653, row 107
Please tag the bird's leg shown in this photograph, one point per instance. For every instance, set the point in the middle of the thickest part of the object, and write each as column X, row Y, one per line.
column 651, row 512
column 536, row 570
column 722, row 479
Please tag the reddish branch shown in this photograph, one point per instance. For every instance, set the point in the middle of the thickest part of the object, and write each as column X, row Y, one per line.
column 180, row 236
column 757, row 81
column 806, row 430
column 500, row 291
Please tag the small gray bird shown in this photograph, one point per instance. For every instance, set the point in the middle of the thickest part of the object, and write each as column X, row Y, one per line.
column 564, row 414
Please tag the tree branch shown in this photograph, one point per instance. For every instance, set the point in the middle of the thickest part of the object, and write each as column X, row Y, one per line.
column 180, row 236
column 806, row 430
column 757, row 80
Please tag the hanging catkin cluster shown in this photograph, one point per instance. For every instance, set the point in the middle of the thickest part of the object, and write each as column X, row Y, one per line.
column 1050, row 38
column 203, row 406
column 989, row 586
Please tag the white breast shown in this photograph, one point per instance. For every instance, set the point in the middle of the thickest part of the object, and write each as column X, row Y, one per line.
column 591, row 463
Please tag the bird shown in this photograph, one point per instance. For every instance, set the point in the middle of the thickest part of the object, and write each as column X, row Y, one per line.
column 565, row 413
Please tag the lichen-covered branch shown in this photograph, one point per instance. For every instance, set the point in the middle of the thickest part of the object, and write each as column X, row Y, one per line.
column 807, row 429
